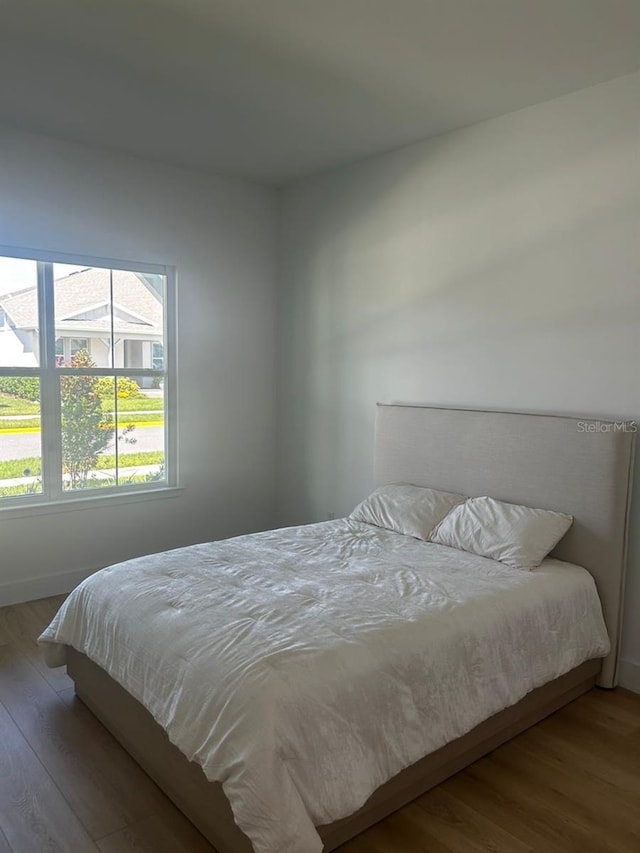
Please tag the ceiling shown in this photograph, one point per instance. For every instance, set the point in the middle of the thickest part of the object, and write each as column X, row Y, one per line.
column 274, row 89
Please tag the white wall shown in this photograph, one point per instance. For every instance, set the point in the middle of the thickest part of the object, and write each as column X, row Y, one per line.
column 495, row 266
column 220, row 235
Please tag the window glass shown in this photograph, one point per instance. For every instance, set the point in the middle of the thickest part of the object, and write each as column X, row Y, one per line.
column 20, row 437
column 19, row 322
column 76, row 345
column 87, row 431
column 84, row 314
column 157, row 356
column 140, row 429
column 104, row 386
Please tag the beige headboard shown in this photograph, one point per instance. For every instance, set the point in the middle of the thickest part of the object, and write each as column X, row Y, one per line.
column 580, row 466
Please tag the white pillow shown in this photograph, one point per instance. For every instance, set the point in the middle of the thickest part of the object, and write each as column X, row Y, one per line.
column 518, row 536
column 406, row 509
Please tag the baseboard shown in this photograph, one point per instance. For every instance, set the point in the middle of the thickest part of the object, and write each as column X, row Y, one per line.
column 629, row 675
column 15, row 592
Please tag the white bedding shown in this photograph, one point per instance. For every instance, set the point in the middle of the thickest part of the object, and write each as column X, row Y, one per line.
column 303, row 668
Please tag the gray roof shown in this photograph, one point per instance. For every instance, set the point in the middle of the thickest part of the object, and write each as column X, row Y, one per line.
column 89, row 289
column 102, row 328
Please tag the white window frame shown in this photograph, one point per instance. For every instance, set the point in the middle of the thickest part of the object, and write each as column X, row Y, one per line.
column 53, row 497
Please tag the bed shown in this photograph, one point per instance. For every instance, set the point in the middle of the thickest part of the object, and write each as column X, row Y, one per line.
column 578, row 466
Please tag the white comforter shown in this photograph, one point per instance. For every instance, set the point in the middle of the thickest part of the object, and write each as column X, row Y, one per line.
column 304, row 667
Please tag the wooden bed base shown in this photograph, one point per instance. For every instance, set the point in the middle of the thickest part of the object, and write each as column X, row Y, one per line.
column 204, row 802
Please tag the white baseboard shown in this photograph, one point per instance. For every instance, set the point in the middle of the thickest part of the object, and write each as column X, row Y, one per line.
column 629, row 675
column 15, row 592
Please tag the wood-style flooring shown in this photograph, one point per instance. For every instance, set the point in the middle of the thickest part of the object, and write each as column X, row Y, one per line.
column 571, row 783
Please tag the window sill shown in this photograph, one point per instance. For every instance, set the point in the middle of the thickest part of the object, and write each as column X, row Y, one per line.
column 93, row 502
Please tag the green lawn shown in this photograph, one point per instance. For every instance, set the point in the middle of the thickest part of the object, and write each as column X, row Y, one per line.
column 137, row 404
column 14, row 491
column 125, row 418
column 151, row 411
column 11, row 468
column 16, row 406
column 30, row 424
column 18, row 467
column 33, row 424
column 132, row 460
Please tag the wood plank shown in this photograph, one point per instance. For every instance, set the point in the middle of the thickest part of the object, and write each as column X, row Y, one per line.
column 611, row 823
column 68, row 696
column 166, row 832
column 20, row 626
column 619, row 712
column 367, row 842
column 406, row 831
column 611, row 730
column 22, row 623
column 499, row 806
column 4, row 844
column 50, row 606
column 584, row 779
column 584, row 754
column 453, row 821
column 104, row 786
column 34, row 816
column 545, row 806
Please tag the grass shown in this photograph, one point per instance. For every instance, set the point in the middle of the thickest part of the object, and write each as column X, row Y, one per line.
column 14, row 491
column 137, row 404
column 11, row 406
column 144, row 418
column 17, row 406
column 33, row 424
column 132, row 460
column 12, row 468
column 30, row 425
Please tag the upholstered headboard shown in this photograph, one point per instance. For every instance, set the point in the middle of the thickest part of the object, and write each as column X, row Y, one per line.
column 580, row 466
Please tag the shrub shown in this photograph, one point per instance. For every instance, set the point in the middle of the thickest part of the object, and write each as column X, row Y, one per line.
column 127, row 388
column 85, row 431
column 25, row 387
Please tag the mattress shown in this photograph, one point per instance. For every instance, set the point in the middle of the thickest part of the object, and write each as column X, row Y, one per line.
column 303, row 668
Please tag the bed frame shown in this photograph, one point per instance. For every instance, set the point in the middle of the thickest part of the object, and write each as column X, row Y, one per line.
column 576, row 465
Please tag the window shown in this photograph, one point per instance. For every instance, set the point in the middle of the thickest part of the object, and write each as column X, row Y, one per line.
column 86, row 388
column 67, row 348
column 133, row 354
column 157, row 356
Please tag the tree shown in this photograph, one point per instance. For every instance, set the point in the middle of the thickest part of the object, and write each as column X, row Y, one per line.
column 86, row 432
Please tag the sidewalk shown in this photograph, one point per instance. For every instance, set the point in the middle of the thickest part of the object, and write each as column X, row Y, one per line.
column 104, row 474
column 19, row 417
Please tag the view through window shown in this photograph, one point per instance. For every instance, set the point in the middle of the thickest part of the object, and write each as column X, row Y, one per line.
column 83, row 379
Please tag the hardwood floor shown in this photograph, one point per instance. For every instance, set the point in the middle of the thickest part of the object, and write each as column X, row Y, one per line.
column 571, row 783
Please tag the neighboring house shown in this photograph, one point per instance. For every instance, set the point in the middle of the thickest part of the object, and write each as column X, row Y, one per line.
column 90, row 310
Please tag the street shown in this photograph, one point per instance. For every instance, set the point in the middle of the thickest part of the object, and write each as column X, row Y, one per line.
column 23, row 444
